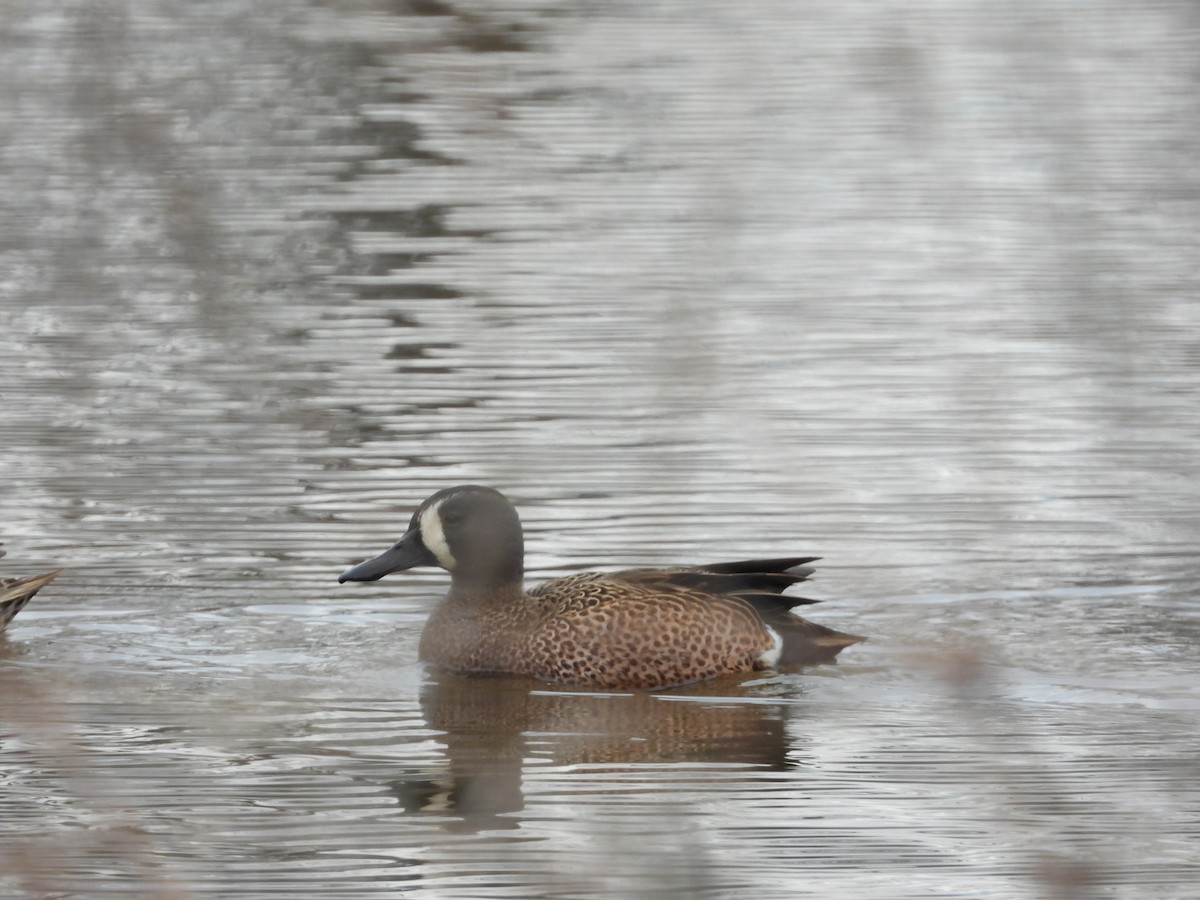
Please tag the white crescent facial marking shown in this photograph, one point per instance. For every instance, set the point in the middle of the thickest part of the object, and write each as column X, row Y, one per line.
column 434, row 537
column 770, row 658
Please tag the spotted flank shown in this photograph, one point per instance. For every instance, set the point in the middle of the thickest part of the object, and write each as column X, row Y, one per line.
column 638, row 628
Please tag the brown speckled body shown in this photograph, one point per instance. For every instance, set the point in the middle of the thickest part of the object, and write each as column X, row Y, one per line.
column 640, row 628
column 630, row 630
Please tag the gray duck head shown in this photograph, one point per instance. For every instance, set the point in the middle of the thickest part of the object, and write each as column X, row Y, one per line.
column 473, row 532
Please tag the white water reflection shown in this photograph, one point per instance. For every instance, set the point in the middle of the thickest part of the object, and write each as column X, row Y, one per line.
column 910, row 288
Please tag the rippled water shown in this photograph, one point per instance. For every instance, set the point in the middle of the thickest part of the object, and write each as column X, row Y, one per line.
column 910, row 286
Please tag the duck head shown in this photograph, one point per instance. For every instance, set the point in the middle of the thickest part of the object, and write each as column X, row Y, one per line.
column 472, row 532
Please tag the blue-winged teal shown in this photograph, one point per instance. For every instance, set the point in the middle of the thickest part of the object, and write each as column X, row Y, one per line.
column 641, row 628
column 16, row 592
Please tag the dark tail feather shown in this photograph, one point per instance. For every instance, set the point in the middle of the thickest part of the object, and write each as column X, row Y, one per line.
column 806, row 643
column 760, row 582
column 782, row 564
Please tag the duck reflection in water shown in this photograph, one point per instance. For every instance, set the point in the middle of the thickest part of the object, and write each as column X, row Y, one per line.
column 492, row 727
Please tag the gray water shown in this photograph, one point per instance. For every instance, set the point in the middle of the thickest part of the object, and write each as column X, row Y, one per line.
column 911, row 286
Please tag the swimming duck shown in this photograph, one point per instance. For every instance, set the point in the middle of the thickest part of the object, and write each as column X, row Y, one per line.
column 16, row 592
column 636, row 629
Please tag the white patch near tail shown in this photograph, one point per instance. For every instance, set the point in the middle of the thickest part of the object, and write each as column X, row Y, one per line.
column 770, row 658
column 435, row 538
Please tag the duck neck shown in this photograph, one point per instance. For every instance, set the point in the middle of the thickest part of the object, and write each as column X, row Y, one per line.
column 482, row 592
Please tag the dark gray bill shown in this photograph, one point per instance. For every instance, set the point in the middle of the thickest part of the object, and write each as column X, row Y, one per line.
column 406, row 553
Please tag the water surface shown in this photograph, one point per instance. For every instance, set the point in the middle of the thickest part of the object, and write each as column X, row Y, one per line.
column 910, row 287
